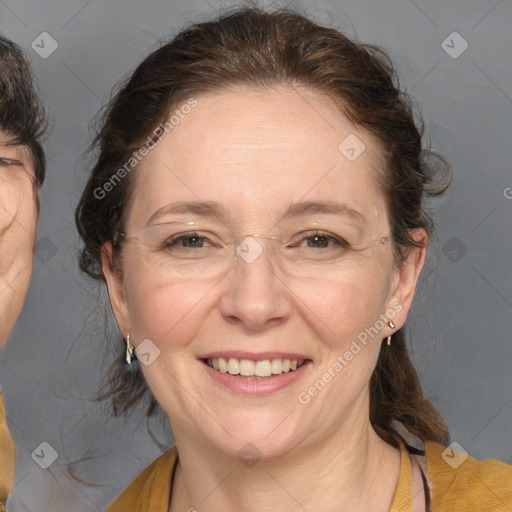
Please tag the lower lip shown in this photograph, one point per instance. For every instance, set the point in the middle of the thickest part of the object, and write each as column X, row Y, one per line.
column 255, row 386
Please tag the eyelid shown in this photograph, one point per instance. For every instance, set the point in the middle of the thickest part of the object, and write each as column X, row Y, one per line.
column 330, row 226
column 319, row 232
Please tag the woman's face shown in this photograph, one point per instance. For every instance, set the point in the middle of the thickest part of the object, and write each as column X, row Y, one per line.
column 326, row 284
column 18, row 217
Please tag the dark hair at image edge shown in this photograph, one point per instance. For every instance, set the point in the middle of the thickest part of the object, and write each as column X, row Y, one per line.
column 22, row 116
column 256, row 48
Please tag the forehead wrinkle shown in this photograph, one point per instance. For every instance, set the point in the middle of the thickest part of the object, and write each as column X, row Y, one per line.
column 256, row 146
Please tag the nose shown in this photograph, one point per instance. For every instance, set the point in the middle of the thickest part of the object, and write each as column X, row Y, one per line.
column 256, row 296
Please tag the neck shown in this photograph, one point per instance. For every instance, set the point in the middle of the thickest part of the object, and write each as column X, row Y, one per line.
column 350, row 468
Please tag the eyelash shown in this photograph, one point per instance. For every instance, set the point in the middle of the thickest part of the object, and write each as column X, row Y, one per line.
column 174, row 240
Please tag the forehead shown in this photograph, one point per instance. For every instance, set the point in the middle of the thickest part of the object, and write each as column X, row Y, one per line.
column 254, row 148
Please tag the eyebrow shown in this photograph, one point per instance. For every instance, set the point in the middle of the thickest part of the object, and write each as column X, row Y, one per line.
column 328, row 207
column 210, row 209
column 215, row 210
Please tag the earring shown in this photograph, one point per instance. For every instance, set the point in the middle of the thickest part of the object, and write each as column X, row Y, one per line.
column 129, row 350
column 392, row 326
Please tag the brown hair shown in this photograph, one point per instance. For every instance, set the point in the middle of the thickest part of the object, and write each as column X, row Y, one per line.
column 22, row 117
column 253, row 47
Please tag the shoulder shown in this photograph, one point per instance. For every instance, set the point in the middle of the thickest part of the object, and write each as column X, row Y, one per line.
column 461, row 482
column 151, row 489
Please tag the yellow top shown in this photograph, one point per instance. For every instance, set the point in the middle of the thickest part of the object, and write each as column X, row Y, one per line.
column 459, row 484
column 7, row 456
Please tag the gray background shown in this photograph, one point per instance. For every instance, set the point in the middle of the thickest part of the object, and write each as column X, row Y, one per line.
column 461, row 321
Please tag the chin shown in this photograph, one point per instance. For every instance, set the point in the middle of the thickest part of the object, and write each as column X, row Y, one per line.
column 251, row 435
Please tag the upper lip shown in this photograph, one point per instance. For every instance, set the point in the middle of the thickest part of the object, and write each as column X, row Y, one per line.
column 241, row 354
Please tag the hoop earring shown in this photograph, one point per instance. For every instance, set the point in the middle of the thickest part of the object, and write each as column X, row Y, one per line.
column 392, row 326
column 129, row 350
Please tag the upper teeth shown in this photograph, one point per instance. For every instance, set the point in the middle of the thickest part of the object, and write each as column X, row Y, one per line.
column 249, row 368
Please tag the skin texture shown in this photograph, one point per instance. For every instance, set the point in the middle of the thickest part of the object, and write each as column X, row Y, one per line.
column 257, row 151
column 18, row 218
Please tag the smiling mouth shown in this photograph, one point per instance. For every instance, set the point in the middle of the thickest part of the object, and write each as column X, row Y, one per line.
column 254, row 370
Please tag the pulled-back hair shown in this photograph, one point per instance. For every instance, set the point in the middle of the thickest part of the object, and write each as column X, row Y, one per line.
column 255, row 48
column 22, row 116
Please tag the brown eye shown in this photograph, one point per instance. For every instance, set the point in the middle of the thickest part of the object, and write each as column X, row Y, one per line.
column 192, row 241
column 318, row 241
column 187, row 241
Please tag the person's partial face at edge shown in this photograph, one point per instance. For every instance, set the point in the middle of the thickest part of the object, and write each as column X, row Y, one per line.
column 256, row 153
column 18, row 219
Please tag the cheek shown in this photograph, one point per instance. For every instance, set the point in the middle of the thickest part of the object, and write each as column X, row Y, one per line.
column 333, row 310
column 17, row 238
column 345, row 315
column 17, row 201
column 18, row 220
column 164, row 312
column 342, row 306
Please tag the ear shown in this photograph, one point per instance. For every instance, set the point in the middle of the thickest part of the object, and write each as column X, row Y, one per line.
column 405, row 281
column 115, row 286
